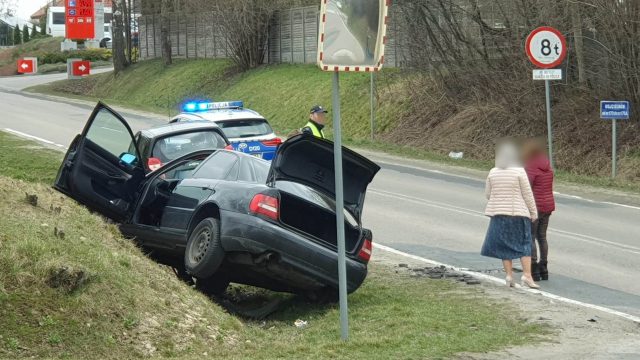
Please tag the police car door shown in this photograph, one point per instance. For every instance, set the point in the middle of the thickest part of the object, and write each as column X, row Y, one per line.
column 102, row 170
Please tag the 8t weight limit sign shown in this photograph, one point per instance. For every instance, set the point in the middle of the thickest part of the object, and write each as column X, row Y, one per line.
column 546, row 47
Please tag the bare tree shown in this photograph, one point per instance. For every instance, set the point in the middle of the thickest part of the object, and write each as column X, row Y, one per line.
column 8, row 7
column 246, row 24
column 119, row 57
column 165, row 40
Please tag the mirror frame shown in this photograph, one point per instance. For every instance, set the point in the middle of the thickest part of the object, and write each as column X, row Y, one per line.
column 380, row 41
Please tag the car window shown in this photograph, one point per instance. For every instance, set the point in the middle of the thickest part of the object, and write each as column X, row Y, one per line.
column 314, row 197
column 246, row 171
column 172, row 147
column 245, row 128
column 217, row 166
column 261, row 169
column 108, row 132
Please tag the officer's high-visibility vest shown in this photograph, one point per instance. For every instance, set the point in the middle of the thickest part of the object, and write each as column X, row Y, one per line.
column 314, row 129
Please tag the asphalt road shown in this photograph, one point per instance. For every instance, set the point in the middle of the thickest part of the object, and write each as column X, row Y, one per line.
column 423, row 209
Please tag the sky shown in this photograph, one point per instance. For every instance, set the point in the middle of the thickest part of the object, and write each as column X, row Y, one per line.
column 28, row 7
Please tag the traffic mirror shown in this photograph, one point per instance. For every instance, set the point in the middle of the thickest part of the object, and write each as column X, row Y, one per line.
column 352, row 35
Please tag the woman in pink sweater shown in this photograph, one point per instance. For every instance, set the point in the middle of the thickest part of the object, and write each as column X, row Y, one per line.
column 512, row 208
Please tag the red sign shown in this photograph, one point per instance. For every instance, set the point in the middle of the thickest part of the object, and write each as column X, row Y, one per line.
column 81, row 68
column 26, row 66
column 80, row 19
column 546, row 47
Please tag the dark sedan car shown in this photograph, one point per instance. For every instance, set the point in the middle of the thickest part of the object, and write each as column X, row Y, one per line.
column 226, row 216
column 161, row 144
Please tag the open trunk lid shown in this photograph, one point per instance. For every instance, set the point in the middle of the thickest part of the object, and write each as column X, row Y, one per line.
column 309, row 161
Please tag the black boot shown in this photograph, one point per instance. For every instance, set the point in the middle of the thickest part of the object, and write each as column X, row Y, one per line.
column 544, row 273
column 535, row 271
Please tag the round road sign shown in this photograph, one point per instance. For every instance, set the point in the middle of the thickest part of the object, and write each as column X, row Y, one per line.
column 546, row 47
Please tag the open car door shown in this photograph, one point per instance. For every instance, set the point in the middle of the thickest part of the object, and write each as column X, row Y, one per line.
column 102, row 170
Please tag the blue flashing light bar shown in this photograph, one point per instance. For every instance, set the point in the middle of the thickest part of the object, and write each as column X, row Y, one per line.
column 204, row 106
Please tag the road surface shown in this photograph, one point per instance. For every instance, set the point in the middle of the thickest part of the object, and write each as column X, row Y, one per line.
column 423, row 209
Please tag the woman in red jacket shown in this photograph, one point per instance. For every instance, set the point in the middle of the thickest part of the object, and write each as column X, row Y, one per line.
column 540, row 175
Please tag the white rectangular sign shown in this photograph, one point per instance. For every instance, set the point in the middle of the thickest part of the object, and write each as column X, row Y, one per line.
column 547, row 74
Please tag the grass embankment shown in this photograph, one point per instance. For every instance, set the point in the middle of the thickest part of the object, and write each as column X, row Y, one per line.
column 71, row 286
column 283, row 93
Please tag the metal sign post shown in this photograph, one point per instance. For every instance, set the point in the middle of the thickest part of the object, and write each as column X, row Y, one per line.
column 342, row 261
column 547, row 90
column 373, row 108
column 356, row 43
column 614, row 111
column 546, row 48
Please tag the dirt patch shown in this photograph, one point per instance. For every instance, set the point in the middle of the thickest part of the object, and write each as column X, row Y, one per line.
column 579, row 333
column 67, row 279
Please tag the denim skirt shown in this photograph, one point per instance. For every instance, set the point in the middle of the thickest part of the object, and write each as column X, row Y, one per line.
column 508, row 238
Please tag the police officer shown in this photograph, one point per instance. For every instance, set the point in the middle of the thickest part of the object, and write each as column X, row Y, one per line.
column 316, row 122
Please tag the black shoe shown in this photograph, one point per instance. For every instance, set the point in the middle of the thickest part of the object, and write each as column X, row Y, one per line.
column 535, row 271
column 544, row 273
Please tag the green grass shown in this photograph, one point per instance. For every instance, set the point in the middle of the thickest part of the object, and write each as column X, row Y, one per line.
column 26, row 160
column 128, row 306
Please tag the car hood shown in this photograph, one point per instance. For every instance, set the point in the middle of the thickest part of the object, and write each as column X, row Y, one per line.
column 308, row 160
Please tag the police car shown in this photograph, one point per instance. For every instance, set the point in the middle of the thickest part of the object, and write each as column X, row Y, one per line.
column 247, row 131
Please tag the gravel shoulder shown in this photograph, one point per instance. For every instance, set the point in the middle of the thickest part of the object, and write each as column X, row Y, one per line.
column 578, row 333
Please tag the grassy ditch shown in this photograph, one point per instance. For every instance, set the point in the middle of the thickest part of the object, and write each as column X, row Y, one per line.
column 71, row 286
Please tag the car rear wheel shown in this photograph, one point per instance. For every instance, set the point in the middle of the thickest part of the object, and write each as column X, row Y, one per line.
column 204, row 253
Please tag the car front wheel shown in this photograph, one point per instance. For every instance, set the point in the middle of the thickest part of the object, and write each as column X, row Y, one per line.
column 204, row 253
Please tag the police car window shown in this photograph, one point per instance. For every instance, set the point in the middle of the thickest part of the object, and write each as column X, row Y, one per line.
column 173, row 147
column 217, row 166
column 245, row 128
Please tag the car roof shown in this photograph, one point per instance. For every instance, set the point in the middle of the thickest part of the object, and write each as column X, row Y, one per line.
column 224, row 114
column 179, row 127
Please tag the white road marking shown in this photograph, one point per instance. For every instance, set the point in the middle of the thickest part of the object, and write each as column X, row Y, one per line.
column 501, row 281
column 21, row 134
column 460, row 210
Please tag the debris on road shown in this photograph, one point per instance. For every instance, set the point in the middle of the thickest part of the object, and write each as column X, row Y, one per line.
column 440, row 272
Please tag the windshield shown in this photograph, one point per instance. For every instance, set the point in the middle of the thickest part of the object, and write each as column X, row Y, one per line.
column 175, row 146
column 245, row 128
column 314, row 197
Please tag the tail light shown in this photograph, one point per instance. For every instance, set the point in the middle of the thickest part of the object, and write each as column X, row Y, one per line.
column 366, row 250
column 154, row 164
column 273, row 142
column 228, row 147
column 265, row 205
